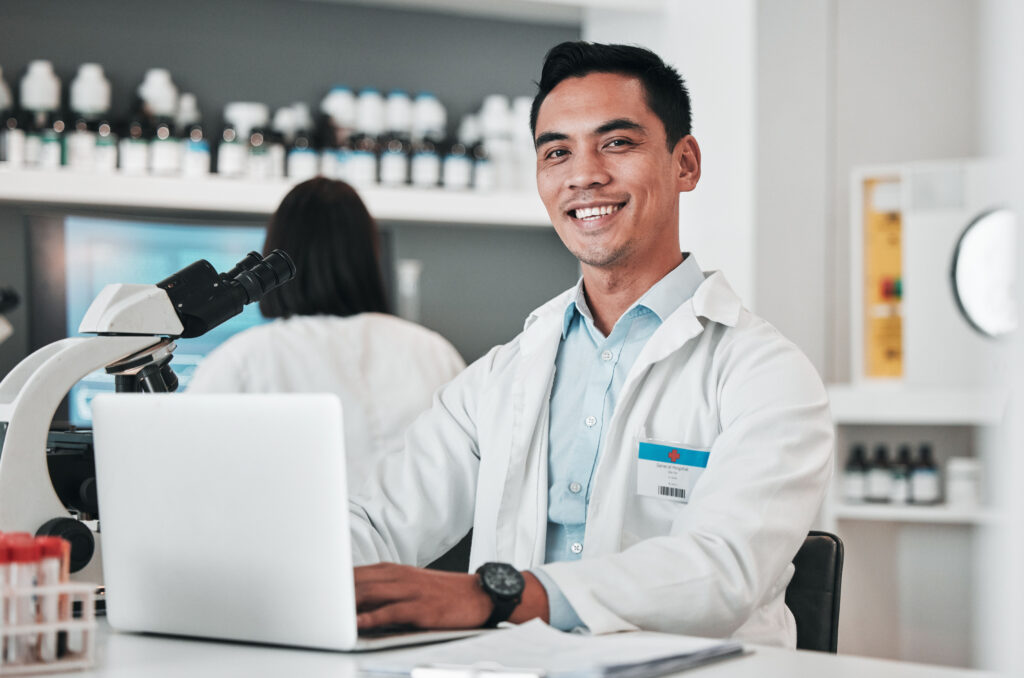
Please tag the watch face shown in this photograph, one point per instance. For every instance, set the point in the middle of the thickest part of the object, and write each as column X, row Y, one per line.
column 502, row 579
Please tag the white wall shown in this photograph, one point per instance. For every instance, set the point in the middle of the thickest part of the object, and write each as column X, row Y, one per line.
column 794, row 177
column 905, row 90
column 713, row 45
column 1001, row 97
column 789, row 96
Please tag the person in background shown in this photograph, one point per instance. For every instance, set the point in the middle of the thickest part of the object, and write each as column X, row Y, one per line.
column 331, row 330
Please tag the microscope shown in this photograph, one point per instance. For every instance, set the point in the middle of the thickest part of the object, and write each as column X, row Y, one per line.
column 134, row 328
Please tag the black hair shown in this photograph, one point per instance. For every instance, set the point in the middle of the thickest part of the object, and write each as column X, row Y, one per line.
column 325, row 227
column 666, row 92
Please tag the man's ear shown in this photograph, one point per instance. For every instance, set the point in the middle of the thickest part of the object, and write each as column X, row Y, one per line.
column 686, row 159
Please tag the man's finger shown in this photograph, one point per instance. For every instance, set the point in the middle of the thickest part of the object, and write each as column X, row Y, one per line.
column 405, row 612
column 377, row 593
column 379, row 572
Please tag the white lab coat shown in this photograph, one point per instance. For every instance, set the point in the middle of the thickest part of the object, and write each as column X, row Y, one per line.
column 384, row 369
column 714, row 377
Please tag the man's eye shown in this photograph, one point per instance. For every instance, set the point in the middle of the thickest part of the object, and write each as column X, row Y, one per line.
column 620, row 142
column 556, row 153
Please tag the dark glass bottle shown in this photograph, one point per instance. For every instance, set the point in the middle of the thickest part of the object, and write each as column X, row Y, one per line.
column 924, row 478
column 855, row 476
column 901, row 476
column 879, row 486
column 134, row 146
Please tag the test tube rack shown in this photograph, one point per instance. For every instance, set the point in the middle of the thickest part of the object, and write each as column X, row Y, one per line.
column 80, row 631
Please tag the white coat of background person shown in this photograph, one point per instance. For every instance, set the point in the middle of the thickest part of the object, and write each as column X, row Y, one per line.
column 331, row 332
column 614, row 151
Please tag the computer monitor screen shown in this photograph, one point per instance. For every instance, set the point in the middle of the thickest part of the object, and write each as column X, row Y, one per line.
column 101, row 251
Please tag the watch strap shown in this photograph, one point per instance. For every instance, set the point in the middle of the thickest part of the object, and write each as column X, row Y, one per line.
column 503, row 608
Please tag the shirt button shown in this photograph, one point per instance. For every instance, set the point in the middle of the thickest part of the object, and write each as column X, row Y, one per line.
column 590, row 421
column 576, row 548
column 575, row 487
column 606, row 356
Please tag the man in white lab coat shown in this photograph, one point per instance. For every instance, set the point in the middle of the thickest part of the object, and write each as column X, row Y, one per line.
column 646, row 453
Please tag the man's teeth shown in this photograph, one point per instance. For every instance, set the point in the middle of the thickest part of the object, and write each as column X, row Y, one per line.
column 595, row 212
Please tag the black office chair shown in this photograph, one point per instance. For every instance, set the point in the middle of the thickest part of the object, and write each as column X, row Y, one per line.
column 813, row 594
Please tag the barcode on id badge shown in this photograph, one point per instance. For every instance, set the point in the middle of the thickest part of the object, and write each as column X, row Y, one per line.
column 674, row 492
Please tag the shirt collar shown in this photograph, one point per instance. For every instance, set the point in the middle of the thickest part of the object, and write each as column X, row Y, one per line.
column 662, row 299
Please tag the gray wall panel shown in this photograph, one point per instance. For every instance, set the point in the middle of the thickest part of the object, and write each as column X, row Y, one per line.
column 478, row 284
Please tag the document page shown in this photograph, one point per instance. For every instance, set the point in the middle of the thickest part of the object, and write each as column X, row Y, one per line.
column 535, row 648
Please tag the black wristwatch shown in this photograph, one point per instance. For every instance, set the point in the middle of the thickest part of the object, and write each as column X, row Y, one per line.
column 504, row 584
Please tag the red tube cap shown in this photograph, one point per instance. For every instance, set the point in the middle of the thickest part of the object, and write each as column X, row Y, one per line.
column 51, row 547
column 24, row 550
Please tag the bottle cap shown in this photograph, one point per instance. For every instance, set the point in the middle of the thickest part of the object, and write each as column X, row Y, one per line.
column 188, row 111
column 303, row 118
column 521, row 107
column 370, row 112
column 469, row 130
column 159, row 93
column 90, row 90
column 340, row 106
column 963, row 466
column 51, row 547
column 495, row 116
column 398, row 112
column 23, row 549
column 285, row 123
column 245, row 116
column 40, row 88
column 6, row 102
column 429, row 116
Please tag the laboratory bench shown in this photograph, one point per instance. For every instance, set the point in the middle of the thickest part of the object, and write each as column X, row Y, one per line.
column 132, row 655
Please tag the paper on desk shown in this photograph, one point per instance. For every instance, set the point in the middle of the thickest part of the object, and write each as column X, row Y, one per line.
column 537, row 649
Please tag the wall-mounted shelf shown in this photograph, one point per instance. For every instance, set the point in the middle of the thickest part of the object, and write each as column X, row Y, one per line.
column 68, row 188
column 556, row 12
column 939, row 514
column 898, row 404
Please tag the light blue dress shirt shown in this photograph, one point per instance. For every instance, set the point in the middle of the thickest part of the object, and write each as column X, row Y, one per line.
column 589, row 372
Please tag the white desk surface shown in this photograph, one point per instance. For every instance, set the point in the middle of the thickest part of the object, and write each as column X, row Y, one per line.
column 124, row 655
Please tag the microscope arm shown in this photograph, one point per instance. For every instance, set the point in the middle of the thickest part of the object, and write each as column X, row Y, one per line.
column 5, row 329
column 29, row 396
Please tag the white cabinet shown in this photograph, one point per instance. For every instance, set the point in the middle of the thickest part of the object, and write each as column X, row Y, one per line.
column 910, row 580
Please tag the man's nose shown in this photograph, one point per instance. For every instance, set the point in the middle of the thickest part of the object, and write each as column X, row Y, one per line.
column 588, row 171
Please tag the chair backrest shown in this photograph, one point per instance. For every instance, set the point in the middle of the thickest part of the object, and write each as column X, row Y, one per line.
column 813, row 594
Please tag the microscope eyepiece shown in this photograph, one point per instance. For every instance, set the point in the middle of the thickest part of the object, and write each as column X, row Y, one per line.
column 204, row 298
column 251, row 259
column 9, row 298
column 258, row 275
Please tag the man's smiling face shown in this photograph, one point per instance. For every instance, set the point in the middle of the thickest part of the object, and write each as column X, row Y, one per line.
column 605, row 173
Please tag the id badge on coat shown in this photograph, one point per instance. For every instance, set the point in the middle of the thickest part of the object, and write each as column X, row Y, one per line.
column 668, row 471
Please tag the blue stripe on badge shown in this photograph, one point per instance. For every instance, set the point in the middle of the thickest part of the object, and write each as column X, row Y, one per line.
column 673, row 455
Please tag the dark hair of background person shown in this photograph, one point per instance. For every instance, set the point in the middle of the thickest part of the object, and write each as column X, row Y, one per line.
column 666, row 92
column 325, row 227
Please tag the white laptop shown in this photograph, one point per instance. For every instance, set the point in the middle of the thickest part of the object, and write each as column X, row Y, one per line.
column 226, row 516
